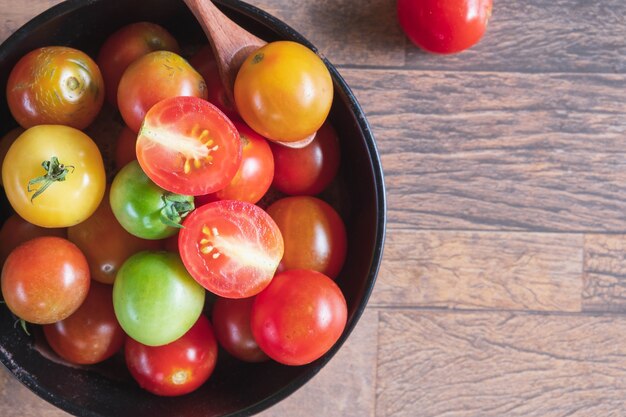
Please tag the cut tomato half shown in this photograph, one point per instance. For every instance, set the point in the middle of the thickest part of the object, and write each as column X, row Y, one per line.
column 232, row 248
column 187, row 146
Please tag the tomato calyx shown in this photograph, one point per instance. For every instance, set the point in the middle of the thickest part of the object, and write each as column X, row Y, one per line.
column 175, row 209
column 55, row 171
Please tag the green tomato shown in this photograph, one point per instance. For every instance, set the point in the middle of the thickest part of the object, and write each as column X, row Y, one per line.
column 155, row 299
column 143, row 208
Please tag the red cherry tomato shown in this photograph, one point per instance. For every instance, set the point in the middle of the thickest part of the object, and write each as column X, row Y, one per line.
column 177, row 368
column 105, row 243
column 232, row 248
column 16, row 231
column 125, row 148
column 127, row 44
column 444, row 26
column 255, row 173
column 152, row 78
column 299, row 316
column 308, row 170
column 231, row 322
column 55, row 85
column 314, row 234
column 188, row 146
column 204, row 62
column 92, row 333
column 45, row 280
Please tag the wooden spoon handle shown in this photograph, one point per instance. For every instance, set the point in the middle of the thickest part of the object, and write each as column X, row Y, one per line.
column 230, row 42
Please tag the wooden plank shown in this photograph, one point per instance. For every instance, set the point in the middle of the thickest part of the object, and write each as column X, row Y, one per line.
column 347, row 32
column 481, row 270
column 604, row 273
column 18, row 401
column 17, row 12
column 500, row 365
column 499, row 151
column 543, row 36
column 345, row 386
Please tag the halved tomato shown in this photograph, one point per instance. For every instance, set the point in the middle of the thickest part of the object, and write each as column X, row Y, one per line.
column 188, row 146
column 232, row 248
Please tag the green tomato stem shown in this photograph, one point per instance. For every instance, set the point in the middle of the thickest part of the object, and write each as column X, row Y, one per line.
column 55, row 171
column 176, row 208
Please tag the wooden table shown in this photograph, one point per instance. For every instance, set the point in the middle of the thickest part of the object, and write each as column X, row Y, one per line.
column 503, row 286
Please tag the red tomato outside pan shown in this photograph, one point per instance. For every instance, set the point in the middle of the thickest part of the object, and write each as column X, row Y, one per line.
column 444, row 27
column 188, row 146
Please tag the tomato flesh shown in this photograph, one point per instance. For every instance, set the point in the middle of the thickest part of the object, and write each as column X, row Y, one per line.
column 188, row 146
column 232, row 248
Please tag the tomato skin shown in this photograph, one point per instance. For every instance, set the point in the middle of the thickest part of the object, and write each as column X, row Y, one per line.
column 64, row 203
column 158, row 310
column 177, row 368
column 314, row 234
column 152, row 78
column 444, row 27
column 204, row 62
column 284, row 91
column 186, row 145
column 125, row 46
column 16, row 231
column 55, row 85
column 91, row 334
column 45, row 279
column 106, row 244
column 137, row 203
column 299, row 316
column 256, row 170
column 232, row 248
column 5, row 143
column 231, row 322
column 307, row 170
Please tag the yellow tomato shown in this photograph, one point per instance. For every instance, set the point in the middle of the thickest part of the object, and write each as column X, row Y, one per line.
column 6, row 141
column 54, row 176
column 284, row 91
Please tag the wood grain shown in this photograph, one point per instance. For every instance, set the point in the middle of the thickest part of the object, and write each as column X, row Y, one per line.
column 518, row 271
column 543, row 36
column 605, row 273
column 498, row 364
column 17, row 12
column 499, row 151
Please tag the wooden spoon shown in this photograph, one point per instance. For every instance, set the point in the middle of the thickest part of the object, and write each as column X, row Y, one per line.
column 231, row 45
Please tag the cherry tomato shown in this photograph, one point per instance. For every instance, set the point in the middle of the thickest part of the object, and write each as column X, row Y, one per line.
column 204, row 62
column 152, row 78
column 91, row 334
column 188, row 146
column 231, row 322
column 45, row 279
column 143, row 208
column 177, row 368
column 307, row 170
column 232, row 248
column 5, row 143
column 54, row 176
column 284, row 91
column 106, row 244
column 315, row 236
column 55, row 85
column 444, row 27
column 126, row 45
column 256, row 170
column 299, row 316
column 16, row 231
column 155, row 299
column 125, row 148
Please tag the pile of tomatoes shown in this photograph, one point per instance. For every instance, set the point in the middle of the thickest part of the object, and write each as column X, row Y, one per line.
column 202, row 228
